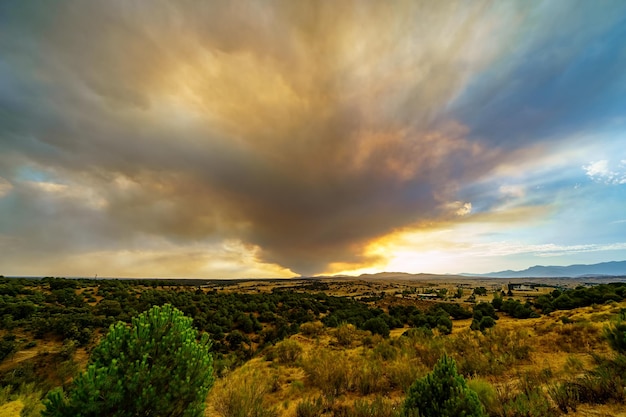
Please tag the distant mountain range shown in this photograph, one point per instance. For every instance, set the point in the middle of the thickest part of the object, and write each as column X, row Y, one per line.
column 539, row 271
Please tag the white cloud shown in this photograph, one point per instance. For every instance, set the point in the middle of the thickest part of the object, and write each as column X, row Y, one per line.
column 517, row 191
column 459, row 208
column 597, row 168
column 544, row 250
column 601, row 171
column 465, row 209
column 77, row 193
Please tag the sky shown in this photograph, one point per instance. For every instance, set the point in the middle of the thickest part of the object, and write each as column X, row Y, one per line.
column 221, row 139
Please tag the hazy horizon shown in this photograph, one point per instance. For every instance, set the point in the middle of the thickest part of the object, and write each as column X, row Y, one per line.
column 278, row 139
column 468, row 274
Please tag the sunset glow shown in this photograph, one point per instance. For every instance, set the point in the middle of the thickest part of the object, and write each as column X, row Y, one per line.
column 283, row 138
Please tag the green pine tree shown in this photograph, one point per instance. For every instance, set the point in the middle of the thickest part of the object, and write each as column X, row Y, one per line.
column 442, row 393
column 155, row 367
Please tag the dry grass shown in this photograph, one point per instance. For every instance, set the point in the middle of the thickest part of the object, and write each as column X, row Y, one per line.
column 342, row 372
column 11, row 409
column 244, row 393
column 347, row 372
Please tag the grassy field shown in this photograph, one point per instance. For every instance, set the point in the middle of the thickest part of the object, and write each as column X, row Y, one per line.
column 519, row 367
column 508, row 359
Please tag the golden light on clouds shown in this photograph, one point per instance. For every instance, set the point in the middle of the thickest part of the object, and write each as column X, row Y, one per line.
column 319, row 136
column 5, row 187
column 230, row 259
column 438, row 246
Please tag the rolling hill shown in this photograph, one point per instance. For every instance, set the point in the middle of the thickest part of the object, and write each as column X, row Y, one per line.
column 539, row 271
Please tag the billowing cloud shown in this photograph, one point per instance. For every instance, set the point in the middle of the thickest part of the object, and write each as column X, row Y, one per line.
column 304, row 131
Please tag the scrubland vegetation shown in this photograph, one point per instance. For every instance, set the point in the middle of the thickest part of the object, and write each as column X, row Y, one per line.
column 300, row 351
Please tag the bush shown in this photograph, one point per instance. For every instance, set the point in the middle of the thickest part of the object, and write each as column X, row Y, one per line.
column 154, row 367
column 23, row 401
column 379, row 407
column 377, row 326
column 402, row 372
column 345, row 334
column 454, row 309
column 577, row 337
column 385, row 351
column 530, row 404
column 484, row 317
column 518, row 310
column 288, row 352
column 310, row 408
column 312, row 329
column 486, row 322
column 565, row 396
column 7, row 346
column 369, row 378
column 330, row 371
column 244, row 394
column 484, row 309
column 486, row 394
column 442, row 393
column 599, row 387
column 616, row 334
column 480, row 291
column 497, row 302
